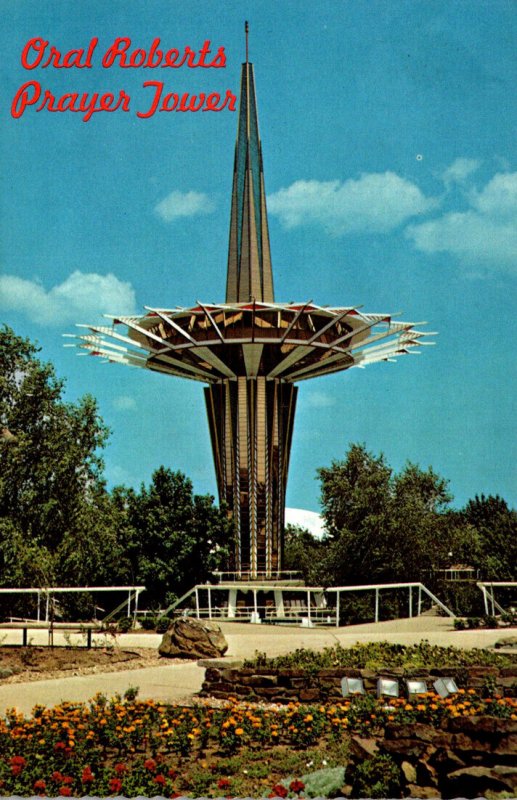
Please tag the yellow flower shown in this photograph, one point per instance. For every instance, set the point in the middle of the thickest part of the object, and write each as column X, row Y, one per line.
column 239, row 731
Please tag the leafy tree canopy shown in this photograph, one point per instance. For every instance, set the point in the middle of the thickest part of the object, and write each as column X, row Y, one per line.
column 175, row 537
column 384, row 527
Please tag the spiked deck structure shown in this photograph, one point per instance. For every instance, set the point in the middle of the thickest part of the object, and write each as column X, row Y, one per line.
column 251, row 351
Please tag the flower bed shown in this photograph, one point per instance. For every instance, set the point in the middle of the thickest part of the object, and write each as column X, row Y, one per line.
column 380, row 655
column 131, row 747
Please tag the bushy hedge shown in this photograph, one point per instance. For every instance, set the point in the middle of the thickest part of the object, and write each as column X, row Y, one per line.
column 378, row 655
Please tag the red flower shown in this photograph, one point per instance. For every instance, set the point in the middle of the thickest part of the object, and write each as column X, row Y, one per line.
column 87, row 776
column 40, row 785
column 223, row 783
column 120, row 769
column 115, row 785
column 65, row 791
column 150, row 764
column 297, row 786
column 172, row 773
column 68, row 780
column 279, row 791
column 57, row 776
column 17, row 764
column 59, row 746
column 159, row 779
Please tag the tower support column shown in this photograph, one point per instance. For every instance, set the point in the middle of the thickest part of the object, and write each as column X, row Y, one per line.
column 251, row 425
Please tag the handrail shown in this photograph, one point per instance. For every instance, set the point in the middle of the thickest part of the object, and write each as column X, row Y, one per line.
column 177, row 602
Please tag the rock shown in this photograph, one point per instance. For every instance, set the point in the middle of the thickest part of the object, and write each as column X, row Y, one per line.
column 422, row 792
column 309, row 695
column 409, row 771
column 406, row 747
column 411, row 730
column 361, row 748
column 506, row 641
column 447, row 760
column 482, row 727
column 193, row 638
column 220, row 663
column 475, row 781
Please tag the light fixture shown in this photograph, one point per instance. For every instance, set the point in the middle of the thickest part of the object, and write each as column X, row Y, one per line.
column 387, row 687
column 352, row 686
column 416, row 687
column 445, row 686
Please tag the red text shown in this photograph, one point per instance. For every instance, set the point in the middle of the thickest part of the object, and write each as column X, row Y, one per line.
column 119, row 54
column 31, row 93
column 186, row 102
column 35, row 54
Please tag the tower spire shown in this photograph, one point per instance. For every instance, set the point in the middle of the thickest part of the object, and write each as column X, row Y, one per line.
column 249, row 273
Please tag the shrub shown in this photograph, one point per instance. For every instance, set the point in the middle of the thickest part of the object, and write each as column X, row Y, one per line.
column 162, row 624
column 378, row 776
column 148, row 623
column 124, row 624
column 378, row 655
column 323, row 782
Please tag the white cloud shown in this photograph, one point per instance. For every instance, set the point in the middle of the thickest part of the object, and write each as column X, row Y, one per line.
column 486, row 232
column 460, row 170
column 319, row 400
column 305, row 519
column 375, row 202
column 124, row 402
column 183, row 204
column 81, row 297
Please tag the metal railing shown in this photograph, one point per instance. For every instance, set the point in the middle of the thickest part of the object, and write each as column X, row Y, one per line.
column 488, row 589
column 314, row 604
column 285, row 576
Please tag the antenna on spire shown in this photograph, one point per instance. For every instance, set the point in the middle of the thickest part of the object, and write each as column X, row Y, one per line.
column 246, row 31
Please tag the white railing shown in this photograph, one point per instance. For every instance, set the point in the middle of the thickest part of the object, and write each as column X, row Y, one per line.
column 311, row 603
column 488, row 587
column 47, row 593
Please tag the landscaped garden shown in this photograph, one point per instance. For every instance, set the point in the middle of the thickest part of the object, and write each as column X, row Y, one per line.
column 379, row 655
column 132, row 747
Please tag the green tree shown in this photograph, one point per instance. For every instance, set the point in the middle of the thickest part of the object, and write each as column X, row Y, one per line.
column 58, row 524
column 496, row 525
column 302, row 553
column 50, row 466
column 176, row 538
column 354, row 490
column 387, row 527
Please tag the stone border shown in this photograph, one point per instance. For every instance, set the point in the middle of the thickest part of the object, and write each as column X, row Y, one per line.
column 225, row 678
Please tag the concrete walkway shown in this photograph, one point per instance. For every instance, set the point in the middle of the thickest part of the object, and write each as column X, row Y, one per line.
column 178, row 681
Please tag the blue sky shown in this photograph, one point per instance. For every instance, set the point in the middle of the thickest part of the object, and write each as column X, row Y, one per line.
column 389, row 142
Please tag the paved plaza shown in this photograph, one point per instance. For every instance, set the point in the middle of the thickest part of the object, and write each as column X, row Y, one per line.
column 178, row 681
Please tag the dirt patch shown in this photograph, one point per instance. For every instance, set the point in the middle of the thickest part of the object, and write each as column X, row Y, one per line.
column 20, row 664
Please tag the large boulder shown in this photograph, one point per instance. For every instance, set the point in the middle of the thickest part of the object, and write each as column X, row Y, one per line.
column 193, row 638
